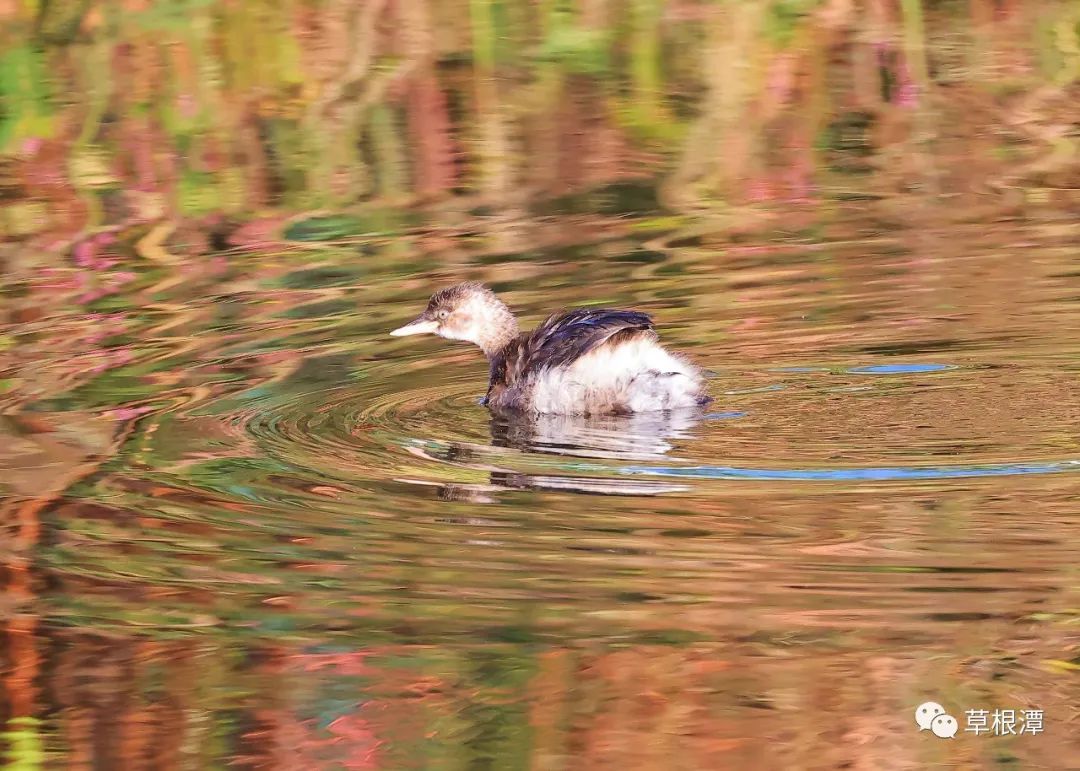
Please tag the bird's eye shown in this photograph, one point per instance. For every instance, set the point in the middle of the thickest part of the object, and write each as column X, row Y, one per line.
column 443, row 314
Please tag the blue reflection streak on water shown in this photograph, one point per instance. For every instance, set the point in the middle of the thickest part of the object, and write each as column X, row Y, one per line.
column 725, row 415
column 872, row 474
column 762, row 389
column 899, row 369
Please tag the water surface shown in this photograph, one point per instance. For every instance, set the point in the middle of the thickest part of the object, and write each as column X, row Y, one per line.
column 245, row 517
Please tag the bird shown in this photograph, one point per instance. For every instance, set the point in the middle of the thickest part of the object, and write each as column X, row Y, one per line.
column 590, row 361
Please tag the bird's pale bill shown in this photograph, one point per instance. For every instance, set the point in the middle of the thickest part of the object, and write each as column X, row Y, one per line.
column 418, row 326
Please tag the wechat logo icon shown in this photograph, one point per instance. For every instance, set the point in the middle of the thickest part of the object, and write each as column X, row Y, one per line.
column 931, row 716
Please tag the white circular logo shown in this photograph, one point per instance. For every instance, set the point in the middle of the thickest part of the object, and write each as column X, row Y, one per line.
column 944, row 726
column 926, row 712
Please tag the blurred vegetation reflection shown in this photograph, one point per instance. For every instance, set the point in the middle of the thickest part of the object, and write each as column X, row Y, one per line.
column 191, row 108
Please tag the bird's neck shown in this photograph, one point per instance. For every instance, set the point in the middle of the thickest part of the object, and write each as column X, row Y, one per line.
column 498, row 329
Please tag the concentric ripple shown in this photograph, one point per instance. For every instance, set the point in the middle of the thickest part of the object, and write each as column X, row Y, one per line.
column 419, row 421
column 346, row 434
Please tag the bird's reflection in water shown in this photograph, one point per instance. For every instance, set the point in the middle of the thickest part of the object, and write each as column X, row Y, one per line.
column 639, row 437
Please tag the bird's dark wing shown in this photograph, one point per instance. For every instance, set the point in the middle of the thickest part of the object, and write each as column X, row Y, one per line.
column 563, row 338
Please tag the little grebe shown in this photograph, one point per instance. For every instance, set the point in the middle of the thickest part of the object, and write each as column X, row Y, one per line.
column 583, row 362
